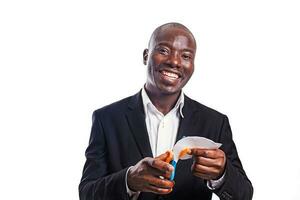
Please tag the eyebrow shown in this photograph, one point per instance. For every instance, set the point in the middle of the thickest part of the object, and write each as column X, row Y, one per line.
column 169, row 45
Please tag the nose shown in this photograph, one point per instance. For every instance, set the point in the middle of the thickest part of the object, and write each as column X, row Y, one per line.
column 174, row 60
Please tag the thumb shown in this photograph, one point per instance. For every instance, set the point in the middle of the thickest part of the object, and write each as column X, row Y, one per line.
column 167, row 156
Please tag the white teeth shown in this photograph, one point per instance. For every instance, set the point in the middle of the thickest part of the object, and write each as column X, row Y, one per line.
column 170, row 74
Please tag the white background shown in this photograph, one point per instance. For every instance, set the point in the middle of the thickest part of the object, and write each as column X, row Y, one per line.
column 60, row 60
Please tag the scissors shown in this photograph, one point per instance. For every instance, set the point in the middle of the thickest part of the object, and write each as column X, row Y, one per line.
column 170, row 159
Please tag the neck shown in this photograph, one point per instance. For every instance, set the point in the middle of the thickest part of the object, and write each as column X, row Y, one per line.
column 163, row 102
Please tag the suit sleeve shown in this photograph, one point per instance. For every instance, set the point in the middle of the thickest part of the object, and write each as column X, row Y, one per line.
column 97, row 182
column 236, row 185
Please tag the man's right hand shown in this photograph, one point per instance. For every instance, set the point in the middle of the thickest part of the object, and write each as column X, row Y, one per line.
column 146, row 175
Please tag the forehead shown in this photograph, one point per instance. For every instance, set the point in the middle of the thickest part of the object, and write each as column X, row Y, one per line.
column 178, row 38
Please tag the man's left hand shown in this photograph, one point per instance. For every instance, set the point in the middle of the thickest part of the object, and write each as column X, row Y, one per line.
column 209, row 164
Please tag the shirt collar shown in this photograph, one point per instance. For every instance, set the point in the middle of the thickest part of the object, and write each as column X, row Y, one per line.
column 178, row 106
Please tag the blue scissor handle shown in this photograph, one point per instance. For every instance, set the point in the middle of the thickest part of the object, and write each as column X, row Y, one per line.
column 173, row 163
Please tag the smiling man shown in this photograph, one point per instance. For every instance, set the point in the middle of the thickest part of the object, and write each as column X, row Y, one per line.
column 126, row 156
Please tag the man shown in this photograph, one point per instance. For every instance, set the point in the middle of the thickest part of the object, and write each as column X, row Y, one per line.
column 129, row 139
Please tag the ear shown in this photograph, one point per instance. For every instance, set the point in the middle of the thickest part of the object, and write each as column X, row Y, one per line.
column 145, row 56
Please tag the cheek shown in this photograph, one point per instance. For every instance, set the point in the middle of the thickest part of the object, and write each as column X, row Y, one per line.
column 151, row 64
column 189, row 69
column 157, row 59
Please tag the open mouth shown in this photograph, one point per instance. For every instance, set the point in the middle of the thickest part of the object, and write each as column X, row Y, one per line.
column 170, row 75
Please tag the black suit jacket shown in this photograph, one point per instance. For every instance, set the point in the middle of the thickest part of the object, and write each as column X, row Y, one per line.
column 119, row 139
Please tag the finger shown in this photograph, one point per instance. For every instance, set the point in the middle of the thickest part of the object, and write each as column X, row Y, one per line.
column 167, row 175
column 162, row 183
column 157, row 190
column 209, row 162
column 156, row 172
column 198, row 151
column 163, row 156
column 208, row 153
column 160, row 165
column 205, row 170
column 157, row 182
column 163, row 175
column 169, row 157
column 203, row 176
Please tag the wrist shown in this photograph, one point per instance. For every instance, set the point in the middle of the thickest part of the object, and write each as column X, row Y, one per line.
column 129, row 182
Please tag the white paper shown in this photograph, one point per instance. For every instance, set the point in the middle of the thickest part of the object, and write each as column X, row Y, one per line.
column 193, row 142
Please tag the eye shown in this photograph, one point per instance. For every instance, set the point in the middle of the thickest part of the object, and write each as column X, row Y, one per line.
column 187, row 56
column 163, row 50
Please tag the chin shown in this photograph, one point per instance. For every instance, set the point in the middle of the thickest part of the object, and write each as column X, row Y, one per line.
column 169, row 90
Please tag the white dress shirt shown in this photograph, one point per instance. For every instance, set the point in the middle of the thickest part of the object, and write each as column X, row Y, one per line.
column 162, row 131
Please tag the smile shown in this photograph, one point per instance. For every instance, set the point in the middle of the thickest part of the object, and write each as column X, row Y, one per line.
column 170, row 74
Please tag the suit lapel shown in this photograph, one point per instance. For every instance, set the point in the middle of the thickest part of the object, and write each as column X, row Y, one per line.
column 186, row 123
column 136, row 121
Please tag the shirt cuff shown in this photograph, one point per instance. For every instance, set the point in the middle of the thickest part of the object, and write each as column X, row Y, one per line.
column 132, row 194
column 215, row 184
